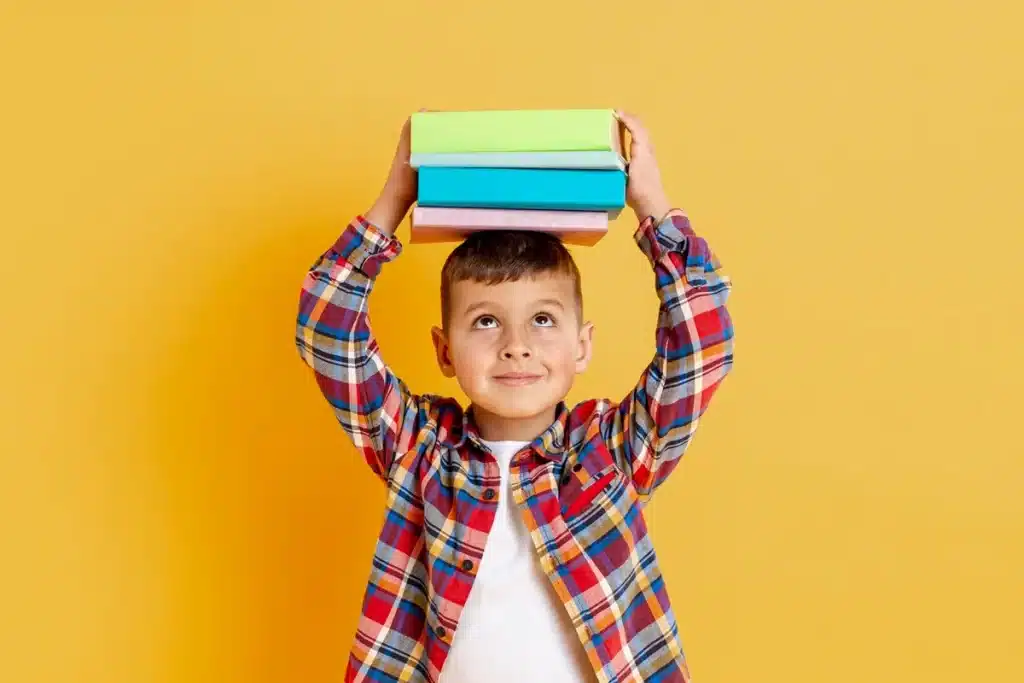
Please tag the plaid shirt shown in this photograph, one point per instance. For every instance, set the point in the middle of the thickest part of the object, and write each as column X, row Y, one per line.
column 580, row 486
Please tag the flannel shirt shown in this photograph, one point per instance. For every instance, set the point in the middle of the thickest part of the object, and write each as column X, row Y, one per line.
column 580, row 486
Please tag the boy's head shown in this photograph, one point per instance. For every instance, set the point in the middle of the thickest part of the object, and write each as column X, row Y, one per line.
column 512, row 331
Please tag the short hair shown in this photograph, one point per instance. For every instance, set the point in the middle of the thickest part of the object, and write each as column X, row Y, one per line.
column 495, row 256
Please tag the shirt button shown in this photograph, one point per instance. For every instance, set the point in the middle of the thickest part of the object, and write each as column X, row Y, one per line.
column 489, row 494
column 441, row 633
column 467, row 565
column 577, row 467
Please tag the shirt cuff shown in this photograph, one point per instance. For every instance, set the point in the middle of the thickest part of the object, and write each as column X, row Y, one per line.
column 366, row 247
column 674, row 234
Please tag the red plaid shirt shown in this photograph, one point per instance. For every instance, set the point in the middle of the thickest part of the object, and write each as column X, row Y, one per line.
column 580, row 486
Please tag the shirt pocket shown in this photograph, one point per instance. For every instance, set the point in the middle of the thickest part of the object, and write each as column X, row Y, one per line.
column 581, row 492
column 588, row 475
column 600, row 509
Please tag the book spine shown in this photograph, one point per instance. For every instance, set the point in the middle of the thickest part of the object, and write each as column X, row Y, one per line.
column 441, row 224
column 510, row 219
column 514, row 131
column 586, row 160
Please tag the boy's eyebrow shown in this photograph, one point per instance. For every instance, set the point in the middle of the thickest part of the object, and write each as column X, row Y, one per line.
column 551, row 302
column 477, row 305
column 490, row 304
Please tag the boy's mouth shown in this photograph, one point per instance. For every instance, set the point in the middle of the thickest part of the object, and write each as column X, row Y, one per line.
column 516, row 379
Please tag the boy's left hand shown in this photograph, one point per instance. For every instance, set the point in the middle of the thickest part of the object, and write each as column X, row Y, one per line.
column 644, row 191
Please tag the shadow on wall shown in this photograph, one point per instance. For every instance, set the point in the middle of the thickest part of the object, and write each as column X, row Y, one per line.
column 272, row 515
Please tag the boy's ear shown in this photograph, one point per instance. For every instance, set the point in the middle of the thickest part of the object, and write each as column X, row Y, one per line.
column 584, row 347
column 443, row 351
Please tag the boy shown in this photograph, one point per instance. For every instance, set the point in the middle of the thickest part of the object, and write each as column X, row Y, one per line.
column 514, row 547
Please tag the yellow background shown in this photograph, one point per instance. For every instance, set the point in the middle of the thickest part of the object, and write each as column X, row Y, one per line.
column 177, row 503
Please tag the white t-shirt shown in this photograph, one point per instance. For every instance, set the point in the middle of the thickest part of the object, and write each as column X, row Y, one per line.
column 513, row 628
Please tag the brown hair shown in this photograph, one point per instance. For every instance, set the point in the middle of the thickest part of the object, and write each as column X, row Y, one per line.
column 496, row 256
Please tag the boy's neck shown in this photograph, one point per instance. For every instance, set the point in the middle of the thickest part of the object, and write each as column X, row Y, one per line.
column 496, row 428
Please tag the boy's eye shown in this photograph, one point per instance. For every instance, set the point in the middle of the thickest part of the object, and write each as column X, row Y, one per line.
column 485, row 322
column 544, row 320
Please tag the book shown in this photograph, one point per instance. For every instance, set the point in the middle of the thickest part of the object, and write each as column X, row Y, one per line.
column 585, row 159
column 522, row 188
column 526, row 130
column 444, row 224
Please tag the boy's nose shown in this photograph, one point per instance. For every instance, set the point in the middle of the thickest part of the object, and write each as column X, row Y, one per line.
column 514, row 344
column 515, row 348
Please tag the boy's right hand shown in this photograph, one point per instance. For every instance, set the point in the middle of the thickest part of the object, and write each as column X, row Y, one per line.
column 399, row 191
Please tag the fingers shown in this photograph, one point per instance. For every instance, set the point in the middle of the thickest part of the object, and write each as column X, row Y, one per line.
column 635, row 128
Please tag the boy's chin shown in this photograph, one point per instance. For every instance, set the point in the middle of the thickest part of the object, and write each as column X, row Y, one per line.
column 515, row 410
column 520, row 412
column 520, row 403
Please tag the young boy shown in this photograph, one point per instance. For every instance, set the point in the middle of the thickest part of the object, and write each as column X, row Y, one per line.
column 513, row 547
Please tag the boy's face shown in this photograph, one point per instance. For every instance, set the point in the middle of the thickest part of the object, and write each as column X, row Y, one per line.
column 516, row 346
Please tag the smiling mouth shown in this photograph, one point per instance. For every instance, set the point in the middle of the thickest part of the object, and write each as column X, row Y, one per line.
column 516, row 379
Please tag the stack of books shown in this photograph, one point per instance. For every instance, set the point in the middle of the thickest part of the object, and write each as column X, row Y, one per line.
column 557, row 171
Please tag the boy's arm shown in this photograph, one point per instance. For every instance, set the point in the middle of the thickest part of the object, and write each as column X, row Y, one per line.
column 333, row 333
column 651, row 428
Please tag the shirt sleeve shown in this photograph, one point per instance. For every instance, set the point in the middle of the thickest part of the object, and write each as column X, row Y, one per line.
column 333, row 335
column 649, row 431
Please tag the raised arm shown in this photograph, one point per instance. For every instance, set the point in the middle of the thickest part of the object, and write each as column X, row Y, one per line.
column 650, row 429
column 333, row 333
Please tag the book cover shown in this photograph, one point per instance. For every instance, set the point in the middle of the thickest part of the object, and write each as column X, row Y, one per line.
column 586, row 159
column 443, row 224
column 522, row 188
column 526, row 130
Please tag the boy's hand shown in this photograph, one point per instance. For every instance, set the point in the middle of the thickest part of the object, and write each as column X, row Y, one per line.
column 644, row 191
column 399, row 191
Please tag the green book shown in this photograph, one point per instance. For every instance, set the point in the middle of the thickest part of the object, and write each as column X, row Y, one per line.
column 527, row 130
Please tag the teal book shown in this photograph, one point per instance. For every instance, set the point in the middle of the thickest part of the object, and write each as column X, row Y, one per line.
column 522, row 188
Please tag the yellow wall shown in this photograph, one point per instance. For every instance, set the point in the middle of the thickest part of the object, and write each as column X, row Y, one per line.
column 176, row 502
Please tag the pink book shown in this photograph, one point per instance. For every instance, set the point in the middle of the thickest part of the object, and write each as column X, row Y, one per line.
column 439, row 224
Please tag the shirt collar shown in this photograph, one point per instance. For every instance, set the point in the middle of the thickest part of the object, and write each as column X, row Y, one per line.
column 550, row 444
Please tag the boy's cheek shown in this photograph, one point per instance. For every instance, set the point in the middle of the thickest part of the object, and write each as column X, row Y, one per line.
column 471, row 369
column 561, row 352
